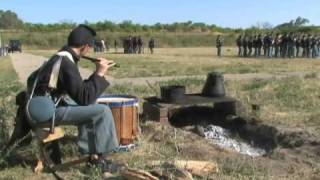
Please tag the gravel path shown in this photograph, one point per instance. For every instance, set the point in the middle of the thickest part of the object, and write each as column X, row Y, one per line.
column 25, row 63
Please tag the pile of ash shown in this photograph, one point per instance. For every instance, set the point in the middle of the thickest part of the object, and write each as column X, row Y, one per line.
column 223, row 138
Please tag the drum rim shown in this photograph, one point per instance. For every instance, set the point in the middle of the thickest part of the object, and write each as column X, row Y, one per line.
column 121, row 104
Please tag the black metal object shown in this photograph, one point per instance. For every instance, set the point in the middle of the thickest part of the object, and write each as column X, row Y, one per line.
column 172, row 94
column 214, row 86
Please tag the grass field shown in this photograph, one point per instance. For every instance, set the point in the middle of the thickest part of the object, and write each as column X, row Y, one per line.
column 287, row 104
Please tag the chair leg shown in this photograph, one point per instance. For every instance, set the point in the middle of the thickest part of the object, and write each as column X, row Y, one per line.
column 54, row 153
column 39, row 167
column 40, row 162
column 50, row 158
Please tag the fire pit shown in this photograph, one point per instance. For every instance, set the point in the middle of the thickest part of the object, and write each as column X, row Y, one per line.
column 221, row 117
column 174, row 100
column 156, row 109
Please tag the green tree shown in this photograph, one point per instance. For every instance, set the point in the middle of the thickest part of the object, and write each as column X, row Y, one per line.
column 9, row 20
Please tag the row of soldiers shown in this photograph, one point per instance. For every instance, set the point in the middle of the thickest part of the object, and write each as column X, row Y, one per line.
column 135, row 45
column 281, row 45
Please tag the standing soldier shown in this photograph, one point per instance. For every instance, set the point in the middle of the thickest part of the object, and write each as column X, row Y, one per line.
column 298, row 45
column 291, row 45
column 140, row 45
column 284, row 46
column 259, row 44
column 151, row 45
column 265, row 46
column 130, row 45
column 239, row 44
column 255, row 42
column 303, row 44
column 308, row 45
column 134, row 45
column 250, row 45
column 245, row 46
column 270, row 43
column 277, row 45
column 314, row 47
column 219, row 44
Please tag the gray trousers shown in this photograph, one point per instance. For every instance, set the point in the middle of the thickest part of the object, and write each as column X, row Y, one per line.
column 97, row 133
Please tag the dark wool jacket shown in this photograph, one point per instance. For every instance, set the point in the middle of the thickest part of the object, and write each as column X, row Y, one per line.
column 70, row 82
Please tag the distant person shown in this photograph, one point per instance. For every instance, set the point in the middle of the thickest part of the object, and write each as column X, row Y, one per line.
column 298, row 45
column 151, row 45
column 309, row 45
column 269, row 46
column 291, row 45
column 135, row 45
column 277, row 45
column 304, row 45
column 245, row 43
column 265, row 45
column 255, row 42
column 103, row 49
column 219, row 44
column 259, row 45
column 140, row 45
column 314, row 47
column 130, row 45
column 239, row 44
column 250, row 45
column 284, row 46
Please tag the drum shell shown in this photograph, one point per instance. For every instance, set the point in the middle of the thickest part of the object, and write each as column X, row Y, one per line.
column 126, row 120
column 126, row 117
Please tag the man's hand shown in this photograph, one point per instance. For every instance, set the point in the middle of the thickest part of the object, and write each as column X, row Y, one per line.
column 103, row 65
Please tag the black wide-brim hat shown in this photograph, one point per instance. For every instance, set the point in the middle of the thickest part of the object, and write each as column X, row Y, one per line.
column 81, row 35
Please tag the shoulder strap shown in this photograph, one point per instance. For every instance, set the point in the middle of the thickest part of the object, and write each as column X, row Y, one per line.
column 67, row 54
column 56, row 69
column 54, row 76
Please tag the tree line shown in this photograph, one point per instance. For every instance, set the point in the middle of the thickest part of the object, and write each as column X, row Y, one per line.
column 9, row 20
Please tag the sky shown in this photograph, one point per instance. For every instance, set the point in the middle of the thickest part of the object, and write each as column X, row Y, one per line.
column 225, row 13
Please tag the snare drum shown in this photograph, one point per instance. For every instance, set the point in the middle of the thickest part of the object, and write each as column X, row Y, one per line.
column 125, row 111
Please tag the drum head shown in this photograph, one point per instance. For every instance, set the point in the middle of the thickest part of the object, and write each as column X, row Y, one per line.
column 118, row 100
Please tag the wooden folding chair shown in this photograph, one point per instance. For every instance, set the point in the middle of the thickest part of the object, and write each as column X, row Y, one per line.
column 45, row 138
